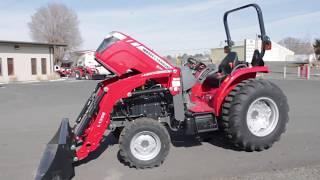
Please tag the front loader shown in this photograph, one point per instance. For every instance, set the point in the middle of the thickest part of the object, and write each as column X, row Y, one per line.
column 147, row 97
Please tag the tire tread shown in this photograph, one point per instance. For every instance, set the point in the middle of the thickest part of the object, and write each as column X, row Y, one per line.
column 231, row 120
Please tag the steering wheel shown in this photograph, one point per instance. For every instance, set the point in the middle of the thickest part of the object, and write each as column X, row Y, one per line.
column 195, row 64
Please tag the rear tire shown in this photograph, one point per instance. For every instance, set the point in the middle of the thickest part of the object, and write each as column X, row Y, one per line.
column 255, row 114
column 144, row 143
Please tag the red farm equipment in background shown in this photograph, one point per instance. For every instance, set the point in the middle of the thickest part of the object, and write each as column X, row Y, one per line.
column 63, row 71
column 147, row 98
column 86, row 67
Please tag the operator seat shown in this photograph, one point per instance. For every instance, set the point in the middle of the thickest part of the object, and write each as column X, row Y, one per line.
column 215, row 78
column 224, row 67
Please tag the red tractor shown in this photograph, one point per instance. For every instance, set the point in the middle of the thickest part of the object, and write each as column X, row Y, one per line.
column 148, row 97
column 81, row 72
column 87, row 67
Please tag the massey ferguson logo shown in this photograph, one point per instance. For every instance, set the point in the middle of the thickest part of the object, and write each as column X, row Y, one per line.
column 156, row 72
column 101, row 119
column 152, row 55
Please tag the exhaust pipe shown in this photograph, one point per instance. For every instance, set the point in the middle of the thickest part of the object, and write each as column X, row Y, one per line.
column 57, row 160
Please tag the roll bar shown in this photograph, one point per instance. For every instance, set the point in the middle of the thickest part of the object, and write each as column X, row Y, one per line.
column 266, row 43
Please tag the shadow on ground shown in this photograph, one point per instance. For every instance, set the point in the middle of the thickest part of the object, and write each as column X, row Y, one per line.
column 178, row 139
column 215, row 138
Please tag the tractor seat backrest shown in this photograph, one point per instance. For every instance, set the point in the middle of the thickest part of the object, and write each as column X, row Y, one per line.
column 257, row 59
column 224, row 67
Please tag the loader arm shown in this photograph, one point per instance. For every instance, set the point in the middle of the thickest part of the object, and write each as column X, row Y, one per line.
column 72, row 144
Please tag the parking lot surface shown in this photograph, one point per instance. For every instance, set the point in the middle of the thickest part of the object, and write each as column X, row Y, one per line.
column 31, row 113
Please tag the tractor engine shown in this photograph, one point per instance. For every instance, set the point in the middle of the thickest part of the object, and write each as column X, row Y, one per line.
column 147, row 102
column 151, row 106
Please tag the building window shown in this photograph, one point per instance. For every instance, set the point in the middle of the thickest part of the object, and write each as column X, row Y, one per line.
column 10, row 66
column 33, row 66
column 44, row 65
column 0, row 66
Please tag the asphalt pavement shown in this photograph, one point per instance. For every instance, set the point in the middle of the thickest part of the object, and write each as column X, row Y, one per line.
column 31, row 113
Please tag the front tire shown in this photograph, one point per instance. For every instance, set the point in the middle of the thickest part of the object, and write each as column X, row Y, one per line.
column 144, row 143
column 255, row 115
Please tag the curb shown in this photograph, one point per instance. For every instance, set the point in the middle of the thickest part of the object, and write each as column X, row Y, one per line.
column 30, row 82
column 57, row 80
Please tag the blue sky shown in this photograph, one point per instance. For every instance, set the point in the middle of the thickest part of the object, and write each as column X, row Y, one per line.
column 171, row 26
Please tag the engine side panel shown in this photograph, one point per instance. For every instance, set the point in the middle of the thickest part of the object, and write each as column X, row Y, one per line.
column 148, row 105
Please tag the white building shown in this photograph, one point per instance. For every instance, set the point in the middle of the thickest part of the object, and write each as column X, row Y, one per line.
column 26, row 61
column 86, row 58
column 245, row 51
column 278, row 53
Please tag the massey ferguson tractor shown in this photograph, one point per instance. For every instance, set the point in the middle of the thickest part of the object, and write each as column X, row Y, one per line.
column 147, row 98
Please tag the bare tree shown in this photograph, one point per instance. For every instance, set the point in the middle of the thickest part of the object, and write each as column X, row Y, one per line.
column 316, row 46
column 299, row 46
column 56, row 23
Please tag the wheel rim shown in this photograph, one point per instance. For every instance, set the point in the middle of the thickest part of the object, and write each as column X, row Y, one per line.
column 145, row 145
column 262, row 116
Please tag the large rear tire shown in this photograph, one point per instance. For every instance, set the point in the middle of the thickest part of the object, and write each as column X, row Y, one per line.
column 144, row 143
column 255, row 114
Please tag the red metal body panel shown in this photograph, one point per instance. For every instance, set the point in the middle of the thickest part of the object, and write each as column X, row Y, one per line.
column 128, row 54
column 206, row 99
column 200, row 97
column 231, row 81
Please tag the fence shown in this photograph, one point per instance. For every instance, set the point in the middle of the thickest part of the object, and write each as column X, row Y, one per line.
column 293, row 71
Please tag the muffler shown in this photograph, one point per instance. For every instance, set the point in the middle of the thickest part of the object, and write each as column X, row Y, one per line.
column 57, row 160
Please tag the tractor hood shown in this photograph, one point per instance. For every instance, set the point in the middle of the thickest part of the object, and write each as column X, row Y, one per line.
column 121, row 54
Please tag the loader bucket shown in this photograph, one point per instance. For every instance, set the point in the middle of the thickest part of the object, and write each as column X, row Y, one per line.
column 57, row 159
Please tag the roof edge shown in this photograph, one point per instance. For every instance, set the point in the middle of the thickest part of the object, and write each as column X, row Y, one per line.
column 32, row 43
